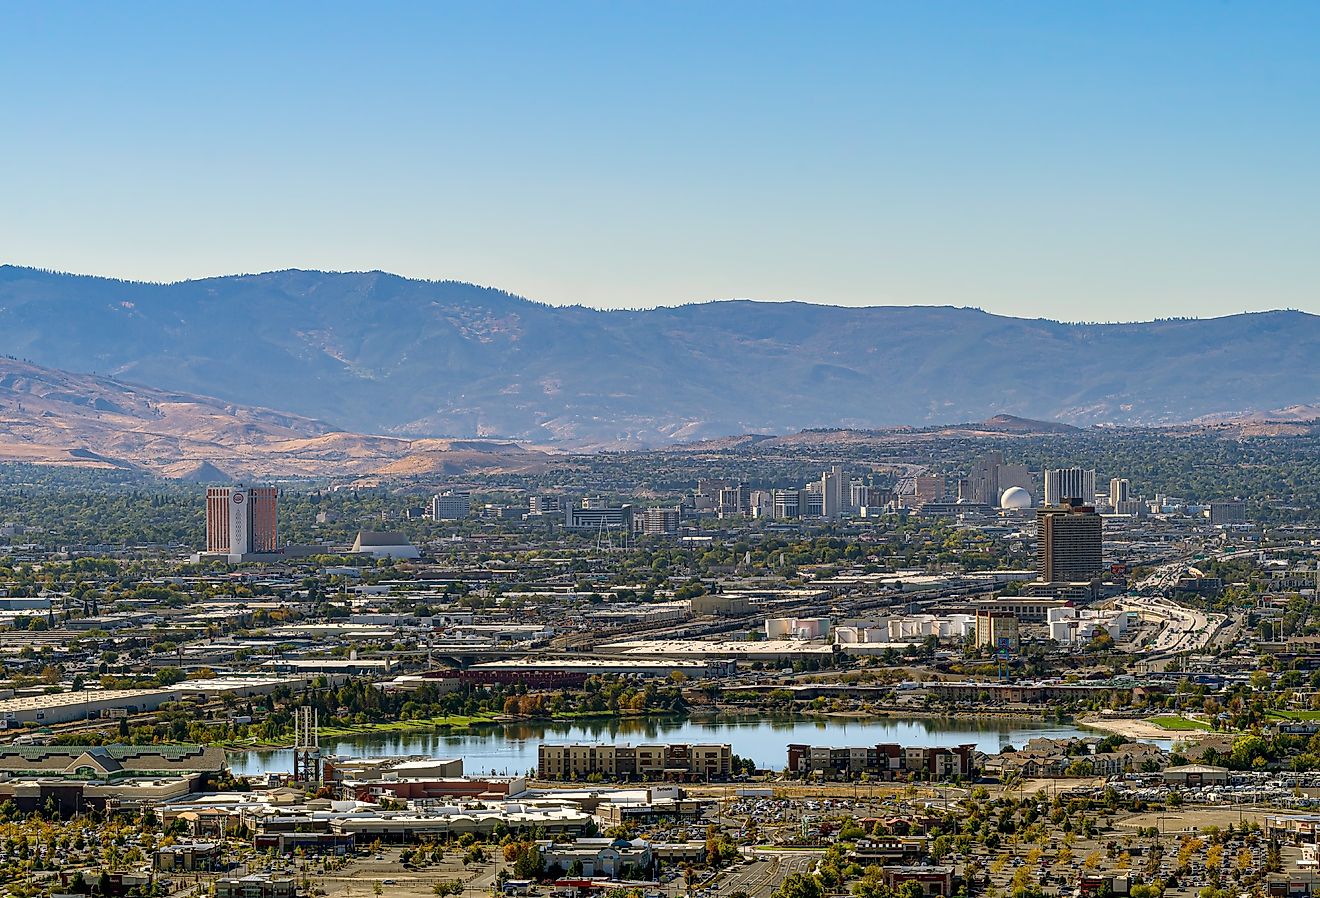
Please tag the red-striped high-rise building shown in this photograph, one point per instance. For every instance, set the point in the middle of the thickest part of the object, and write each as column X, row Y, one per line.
column 241, row 520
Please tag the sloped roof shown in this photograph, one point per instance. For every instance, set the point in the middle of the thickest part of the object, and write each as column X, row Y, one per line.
column 111, row 759
column 380, row 538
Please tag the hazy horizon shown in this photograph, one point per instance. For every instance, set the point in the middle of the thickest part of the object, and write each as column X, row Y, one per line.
column 1073, row 162
column 640, row 308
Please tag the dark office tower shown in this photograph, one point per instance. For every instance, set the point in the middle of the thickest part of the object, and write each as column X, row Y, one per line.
column 1069, row 545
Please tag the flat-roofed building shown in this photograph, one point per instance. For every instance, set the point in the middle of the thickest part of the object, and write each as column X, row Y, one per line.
column 242, row 520
column 255, row 886
column 887, row 761
column 671, row 761
column 1069, row 543
column 451, row 505
column 187, row 857
column 1063, row 485
column 1231, row 511
column 595, row 514
column 1028, row 609
column 932, row 880
column 658, row 521
column 65, row 707
column 997, row 630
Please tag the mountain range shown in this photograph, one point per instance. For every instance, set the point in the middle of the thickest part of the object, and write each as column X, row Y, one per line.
column 380, row 354
column 49, row 416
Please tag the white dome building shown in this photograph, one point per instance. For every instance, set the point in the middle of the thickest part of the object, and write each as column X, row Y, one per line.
column 1015, row 498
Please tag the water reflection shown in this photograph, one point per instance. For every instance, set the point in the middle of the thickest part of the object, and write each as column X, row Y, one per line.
column 512, row 748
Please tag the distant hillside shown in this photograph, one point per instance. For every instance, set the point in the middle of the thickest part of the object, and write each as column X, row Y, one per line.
column 375, row 353
column 54, row 417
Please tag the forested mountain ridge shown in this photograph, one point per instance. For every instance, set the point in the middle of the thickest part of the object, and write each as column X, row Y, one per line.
column 378, row 353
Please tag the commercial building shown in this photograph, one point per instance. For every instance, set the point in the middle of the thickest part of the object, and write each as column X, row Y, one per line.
column 886, row 761
column 990, row 477
column 573, row 671
column 835, row 493
column 998, row 630
column 1069, row 543
column 658, row 521
column 187, row 857
column 337, row 769
column 451, row 505
column 1193, row 775
column 785, row 504
column 1231, row 511
column 1120, row 491
column 63, row 707
column 673, row 761
column 652, row 805
column 721, row 604
column 776, row 651
column 595, row 514
column 384, row 544
column 797, row 627
column 1122, row 500
column 733, row 500
column 1076, row 626
column 433, row 790
column 1063, row 485
column 74, row 777
column 456, row 819
column 241, row 520
column 933, row 880
column 599, row 857
column 256, row 886
column 540, row 506
column 929, row 488
column 98, row 761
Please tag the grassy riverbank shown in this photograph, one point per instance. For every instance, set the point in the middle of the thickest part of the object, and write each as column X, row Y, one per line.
column 446, row 723
column 1178, row 723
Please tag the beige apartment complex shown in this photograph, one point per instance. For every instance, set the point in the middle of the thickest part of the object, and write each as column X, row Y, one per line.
column 610, row 761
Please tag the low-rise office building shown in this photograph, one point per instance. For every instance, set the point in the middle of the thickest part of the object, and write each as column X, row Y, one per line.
column 933, row 880
column 599, row 857
column 256, row 886
column 187, row 857
column 64, row 707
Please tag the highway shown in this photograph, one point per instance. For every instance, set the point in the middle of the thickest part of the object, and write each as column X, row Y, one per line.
column 1180, row 629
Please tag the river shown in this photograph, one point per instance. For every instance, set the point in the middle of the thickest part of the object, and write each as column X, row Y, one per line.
column 512, row 748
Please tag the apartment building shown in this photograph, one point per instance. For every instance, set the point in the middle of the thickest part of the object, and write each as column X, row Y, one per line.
column 887, row 761
column 611, row 761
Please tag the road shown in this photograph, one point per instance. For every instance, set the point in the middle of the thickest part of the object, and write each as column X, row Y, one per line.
column 762, row 876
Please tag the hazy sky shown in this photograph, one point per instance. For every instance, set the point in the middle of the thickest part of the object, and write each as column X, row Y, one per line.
column 1106, row 161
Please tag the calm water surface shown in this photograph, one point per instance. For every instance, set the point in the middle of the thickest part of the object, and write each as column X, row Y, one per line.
column 511, row 748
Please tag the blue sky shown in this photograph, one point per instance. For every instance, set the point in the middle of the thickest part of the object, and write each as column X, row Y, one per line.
column 1080, row 161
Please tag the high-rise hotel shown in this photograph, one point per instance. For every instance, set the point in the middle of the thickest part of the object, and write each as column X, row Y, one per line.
column 1069, row 543
column 241, row 520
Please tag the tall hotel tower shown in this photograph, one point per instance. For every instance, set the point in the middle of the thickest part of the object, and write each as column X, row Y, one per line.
column 241, row 520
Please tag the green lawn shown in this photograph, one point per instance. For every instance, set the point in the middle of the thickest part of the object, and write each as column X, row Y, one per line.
column 1175, row 722
column 454, row 721
column 1295, row 715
